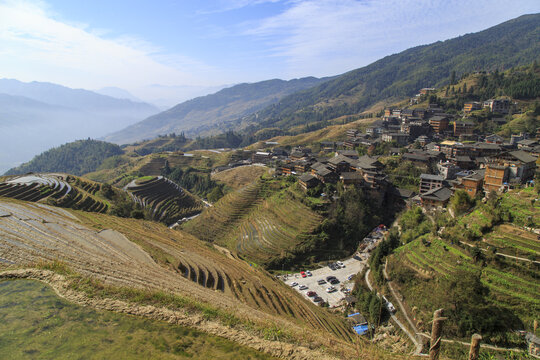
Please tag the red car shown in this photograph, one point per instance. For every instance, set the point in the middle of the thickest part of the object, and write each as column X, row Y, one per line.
column 303, row 273
column 311, row 293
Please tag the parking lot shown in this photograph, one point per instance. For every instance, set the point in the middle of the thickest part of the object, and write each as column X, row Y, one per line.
column 351, row 267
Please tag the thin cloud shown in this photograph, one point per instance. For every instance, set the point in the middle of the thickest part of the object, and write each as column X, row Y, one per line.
column 230, row 5
column 326, row 37
column 36, row 46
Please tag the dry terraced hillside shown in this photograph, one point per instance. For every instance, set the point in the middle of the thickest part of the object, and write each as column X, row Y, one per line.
column 146, row 255
column 258, row 222
column 238, row 177
column 56, row 189
column 166, row 201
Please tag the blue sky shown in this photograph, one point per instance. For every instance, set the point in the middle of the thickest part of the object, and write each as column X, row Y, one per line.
column 197, row 44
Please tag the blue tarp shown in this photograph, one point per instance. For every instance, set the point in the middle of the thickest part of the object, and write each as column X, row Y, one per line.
column 361, row 329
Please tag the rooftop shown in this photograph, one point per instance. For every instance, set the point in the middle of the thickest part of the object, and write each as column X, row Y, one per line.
column 439, row 194
column 431, row 177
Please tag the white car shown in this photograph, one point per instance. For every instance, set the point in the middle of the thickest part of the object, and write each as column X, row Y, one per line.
column 303, row 287
column 308, row 273
column 331, row 289
column 340, row 264
column 294, row 284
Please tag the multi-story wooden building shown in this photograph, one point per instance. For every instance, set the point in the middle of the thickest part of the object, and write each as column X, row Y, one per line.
column 495, row 178
column 472, row 106
column 429, row 182
column 463, row 128
column 439, row 123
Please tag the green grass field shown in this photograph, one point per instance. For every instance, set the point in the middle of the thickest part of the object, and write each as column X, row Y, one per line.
column 36, row 324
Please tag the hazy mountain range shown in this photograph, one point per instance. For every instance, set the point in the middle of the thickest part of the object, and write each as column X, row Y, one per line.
column 209, row 114
column 37, row 116
column 291, row 105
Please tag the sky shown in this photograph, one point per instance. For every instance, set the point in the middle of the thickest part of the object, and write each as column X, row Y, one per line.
column 154, row 48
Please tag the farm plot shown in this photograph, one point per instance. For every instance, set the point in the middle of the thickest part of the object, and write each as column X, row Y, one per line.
column 273, row 226
column 510, row 285
column 435, row 257
column 148, row 255
column 215, row 223
column 57, row 189
column 257, row 222
column 167, row 201
column 511, row 240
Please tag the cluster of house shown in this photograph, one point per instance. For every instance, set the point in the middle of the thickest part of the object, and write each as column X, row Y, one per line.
column 346, row 167
column 487, row 164
column 471, row 167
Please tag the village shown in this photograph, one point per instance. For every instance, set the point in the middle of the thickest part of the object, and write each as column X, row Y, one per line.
column 448, row 150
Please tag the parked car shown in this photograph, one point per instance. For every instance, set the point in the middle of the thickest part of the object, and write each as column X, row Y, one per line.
column 340, row 264
column 321, row 281
column 303, row 287
column 356, row 257
column 308, row 273
column 311, row 293
column 330, row 289
column 294, row 284
column 334, row 281
column 317, row 299
column 303, row 273
column 330, row 278
column 350, row 277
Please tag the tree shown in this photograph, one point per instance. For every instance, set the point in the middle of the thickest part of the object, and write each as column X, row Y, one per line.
column 453, row 78
column 460, row 202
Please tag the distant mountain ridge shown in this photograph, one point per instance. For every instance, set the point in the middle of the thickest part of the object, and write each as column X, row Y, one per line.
column 506, row 45
column 73, row 98
column 36, row 116
column 211, row 113
column 118, row 93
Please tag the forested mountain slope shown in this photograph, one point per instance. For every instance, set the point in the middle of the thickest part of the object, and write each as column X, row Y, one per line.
column 509, row 44
column 208, row 114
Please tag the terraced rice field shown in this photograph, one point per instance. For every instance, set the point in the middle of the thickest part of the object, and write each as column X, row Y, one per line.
column 254, row 222
column 148, row 255
column 167, row 201
column 238, row 177
column 523, row 207
column 509, row 286
column 514, row 241
column 62, row 330
column 58, row 189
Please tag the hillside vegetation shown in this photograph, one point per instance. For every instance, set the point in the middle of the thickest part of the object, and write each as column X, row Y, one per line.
column 261, row 221
column 480, row 267
column 61, row 329
column 77, row 158
column 212, row 113
column 146, row 263
column 509, row 44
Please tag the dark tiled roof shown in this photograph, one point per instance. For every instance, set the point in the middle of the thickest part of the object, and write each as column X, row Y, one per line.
column 439, row 194
column 523, row 156
column 351, row 176
column 307, row 177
